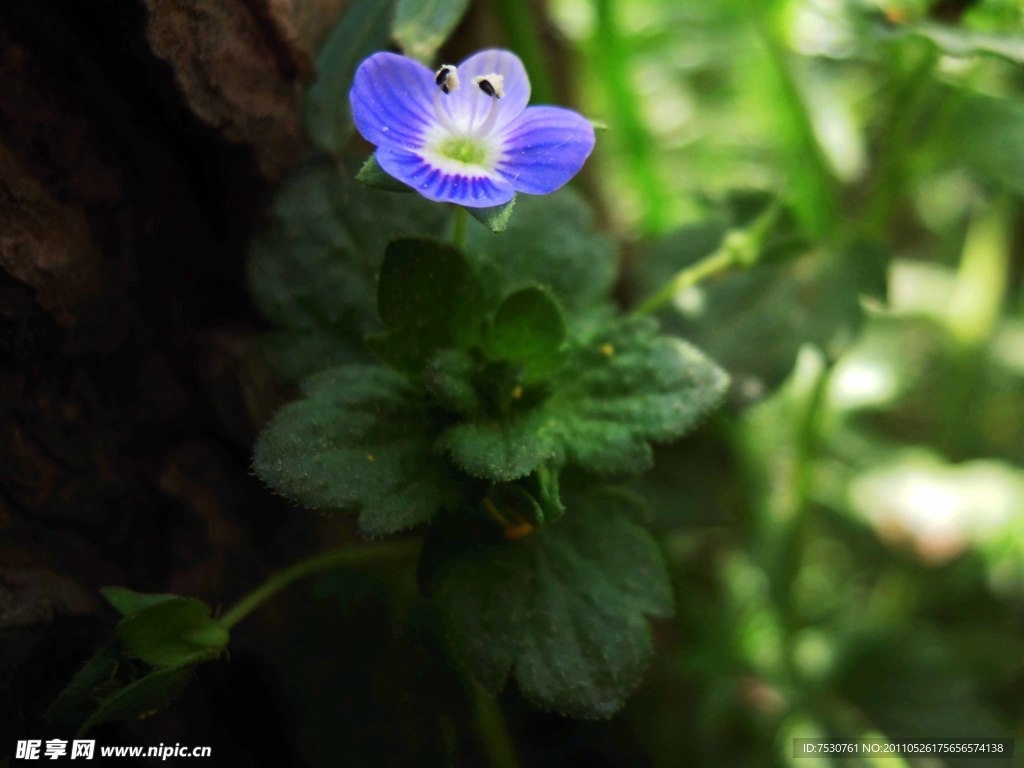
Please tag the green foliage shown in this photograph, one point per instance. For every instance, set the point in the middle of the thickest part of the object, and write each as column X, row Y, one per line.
column 358, row 439
column 172, row 633
column 496, row 218
column 363, row 30
column 313, row 270
column 510, row 363
column 421, row 26
column 565, row 610
column 621, row 389
column 168, row 633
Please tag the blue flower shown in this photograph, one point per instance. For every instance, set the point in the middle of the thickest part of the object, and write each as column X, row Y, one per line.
column 464, row 134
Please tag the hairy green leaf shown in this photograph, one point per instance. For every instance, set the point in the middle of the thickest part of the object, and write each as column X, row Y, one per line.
column 173, row 633
column 429, row 299
column 421, row 26
column 372, row 175
column 529, row 330
column 620, row 390
column 78, row 699
column 564, row 610
column 147, row 694
column 359, row 439
column 127, row 602
column 496, row 218
column 553, row 243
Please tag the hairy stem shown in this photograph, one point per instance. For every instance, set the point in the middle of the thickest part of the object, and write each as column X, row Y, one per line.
column 492, row 728
column 322, row 561
column 459, row 228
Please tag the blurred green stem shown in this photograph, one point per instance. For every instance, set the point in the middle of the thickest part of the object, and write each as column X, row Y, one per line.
column 739, row 248
column 813, row 182
column 611, row 59
column 459, row 227
column 322, row 561
column 521, row 30
column 492, row 728
column 890, row 176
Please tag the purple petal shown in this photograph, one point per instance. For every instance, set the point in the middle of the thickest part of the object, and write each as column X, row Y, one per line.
column 392, row 101
column 473, row 188
column 468, row 106
column 544, row 148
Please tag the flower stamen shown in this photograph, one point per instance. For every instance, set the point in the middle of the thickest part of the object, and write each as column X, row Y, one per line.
column 447, row 78
column 493, row 85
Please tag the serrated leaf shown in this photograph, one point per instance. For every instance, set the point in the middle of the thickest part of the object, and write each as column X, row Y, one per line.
column 564, row 610
column 619, row 391
column 128, row 602
column 363, row 29
column 358, row 440
column 422, row 26
column 77, row 700
column 553, row 243
column 173, row 633
column 148, row 694
column 496, row 218
column 529, row 330
column 429, row 299
column 372, row 175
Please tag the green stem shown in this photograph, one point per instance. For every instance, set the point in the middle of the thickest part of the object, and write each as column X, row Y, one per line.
column 612, row 57
column 739, row 248
column 322, row 561
column 459, row 228
column 520, row 28
column 492, row 728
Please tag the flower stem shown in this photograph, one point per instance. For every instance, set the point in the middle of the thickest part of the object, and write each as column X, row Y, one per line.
column 322, row 561
column 459, row 228
column 739, row 248
column 492, row 728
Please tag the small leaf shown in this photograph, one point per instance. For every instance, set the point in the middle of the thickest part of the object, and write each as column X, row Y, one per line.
column 429, row 299
column 128, row 603
column 618, row 391
column 173, row 633
column 148, row 694
column 372, row 175
column 528, row 329
column 448, row 378
column 359, row 440
column 495, row 218
column 553, row 243
column 78, row 699
column 313, row 271
column 564, row 609
column 422, row 26
column 362, row 30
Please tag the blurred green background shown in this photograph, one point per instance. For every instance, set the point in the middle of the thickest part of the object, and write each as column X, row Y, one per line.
column 847, row 538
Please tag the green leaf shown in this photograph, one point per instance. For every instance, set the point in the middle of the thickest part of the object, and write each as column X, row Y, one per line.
column 623, row 388
column 372, row 175
column 553, row 243
column 128, row 603
column 363, row 30
column 429, row 299
column 529, row 330
column 78, row 699
column 173, row 633
column 495, row 218
column 150, row 693
column 448, row 378
column 565, row 609
column 422, row 26
column 359, row 439
column 313, row 271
